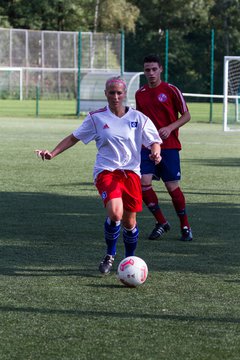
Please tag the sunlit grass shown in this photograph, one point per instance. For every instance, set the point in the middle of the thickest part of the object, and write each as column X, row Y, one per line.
column 54, row 304
column 200, row 112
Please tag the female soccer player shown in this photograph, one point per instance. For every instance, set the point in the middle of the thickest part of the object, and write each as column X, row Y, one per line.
column 119, row 132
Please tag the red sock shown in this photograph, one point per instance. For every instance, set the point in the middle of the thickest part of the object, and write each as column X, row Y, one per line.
column 179, row 204
column 151, row 200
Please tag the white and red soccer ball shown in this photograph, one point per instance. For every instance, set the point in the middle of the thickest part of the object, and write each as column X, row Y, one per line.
column 132, row 271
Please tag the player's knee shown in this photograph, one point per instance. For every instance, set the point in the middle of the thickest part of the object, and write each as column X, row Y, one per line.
column 129, row 223
column 115, row 213
column 146, row 187
column 171, row 186
column 115, row 218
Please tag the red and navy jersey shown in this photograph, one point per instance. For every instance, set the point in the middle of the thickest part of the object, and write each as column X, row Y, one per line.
column 162, row 105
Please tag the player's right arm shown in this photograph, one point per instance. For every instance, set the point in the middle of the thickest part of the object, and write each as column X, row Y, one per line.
column 65, row 144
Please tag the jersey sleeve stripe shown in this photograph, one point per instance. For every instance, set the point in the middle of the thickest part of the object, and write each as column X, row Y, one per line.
column 182, row 101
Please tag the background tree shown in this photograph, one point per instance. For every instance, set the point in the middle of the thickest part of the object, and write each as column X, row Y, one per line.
column 48, row 15
column 145, row 22
column 189, row 23
column 114, row 16
column 74, row 15
column 225, row 18
column 189, row 40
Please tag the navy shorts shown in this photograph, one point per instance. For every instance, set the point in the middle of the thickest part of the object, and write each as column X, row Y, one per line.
column 167, row 170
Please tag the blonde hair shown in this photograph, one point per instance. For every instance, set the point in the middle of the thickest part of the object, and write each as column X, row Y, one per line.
column 116, row 79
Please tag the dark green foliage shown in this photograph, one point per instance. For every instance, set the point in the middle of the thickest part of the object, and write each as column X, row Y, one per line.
column 189, row 24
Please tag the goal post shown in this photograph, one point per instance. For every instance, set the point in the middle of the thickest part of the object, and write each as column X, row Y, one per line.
column 231, row 93
column 11, row 82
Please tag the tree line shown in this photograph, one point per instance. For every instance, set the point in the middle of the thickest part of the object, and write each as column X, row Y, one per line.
column 189, row 24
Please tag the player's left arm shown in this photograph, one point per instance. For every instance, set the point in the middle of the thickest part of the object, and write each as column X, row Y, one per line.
column 165, row 131
column 182, row 109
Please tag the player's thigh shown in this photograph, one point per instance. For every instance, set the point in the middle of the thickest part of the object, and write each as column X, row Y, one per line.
column 169, row 167
column 114, row 209
column 132, row 192
column 147, row 166
column 109, row 186
column 146, row 179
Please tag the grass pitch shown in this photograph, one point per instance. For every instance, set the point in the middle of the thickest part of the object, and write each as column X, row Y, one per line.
column 66, row 109
column 54, row 305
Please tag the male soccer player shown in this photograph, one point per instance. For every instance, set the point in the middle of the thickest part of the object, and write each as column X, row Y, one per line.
column 164, row 104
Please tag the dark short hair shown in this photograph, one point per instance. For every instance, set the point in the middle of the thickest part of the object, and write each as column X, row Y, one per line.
column 152, row 58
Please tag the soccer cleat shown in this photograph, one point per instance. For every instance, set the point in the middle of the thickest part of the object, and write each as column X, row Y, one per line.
column 159, row 230
column 186, row 234
column 106, row 264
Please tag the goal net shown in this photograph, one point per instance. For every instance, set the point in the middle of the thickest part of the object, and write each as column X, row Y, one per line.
column 11, row 83
column 231, row 115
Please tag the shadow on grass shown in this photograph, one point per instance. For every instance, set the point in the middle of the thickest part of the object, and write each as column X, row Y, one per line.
column 21, row 272
column 45, row 234
column 120, row 315
column 218, row 162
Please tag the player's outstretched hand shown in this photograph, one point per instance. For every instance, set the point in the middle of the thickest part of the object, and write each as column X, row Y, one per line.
column 44, row 154
column 156, row 157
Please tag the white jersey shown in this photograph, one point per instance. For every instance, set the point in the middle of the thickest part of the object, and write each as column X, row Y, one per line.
column 118, row 140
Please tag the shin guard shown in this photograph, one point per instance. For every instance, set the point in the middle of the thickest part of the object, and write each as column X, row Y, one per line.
column 130, row 238
column 111, row 232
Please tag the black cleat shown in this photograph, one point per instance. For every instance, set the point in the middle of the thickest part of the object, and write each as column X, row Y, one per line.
column 186, row 234
column 159, row 230
column 106, row 264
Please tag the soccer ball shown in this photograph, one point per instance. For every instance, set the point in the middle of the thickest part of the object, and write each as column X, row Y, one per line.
column 132, row 271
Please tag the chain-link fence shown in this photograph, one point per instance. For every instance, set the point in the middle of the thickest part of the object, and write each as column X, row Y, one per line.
column 50, row 60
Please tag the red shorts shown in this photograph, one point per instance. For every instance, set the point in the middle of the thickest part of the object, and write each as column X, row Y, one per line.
column 121, row 184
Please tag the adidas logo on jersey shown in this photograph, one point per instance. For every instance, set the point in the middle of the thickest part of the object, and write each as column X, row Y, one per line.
column 106, row 126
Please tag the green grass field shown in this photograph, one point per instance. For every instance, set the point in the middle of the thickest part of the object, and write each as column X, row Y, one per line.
column 67, row 109
column 55, row 305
